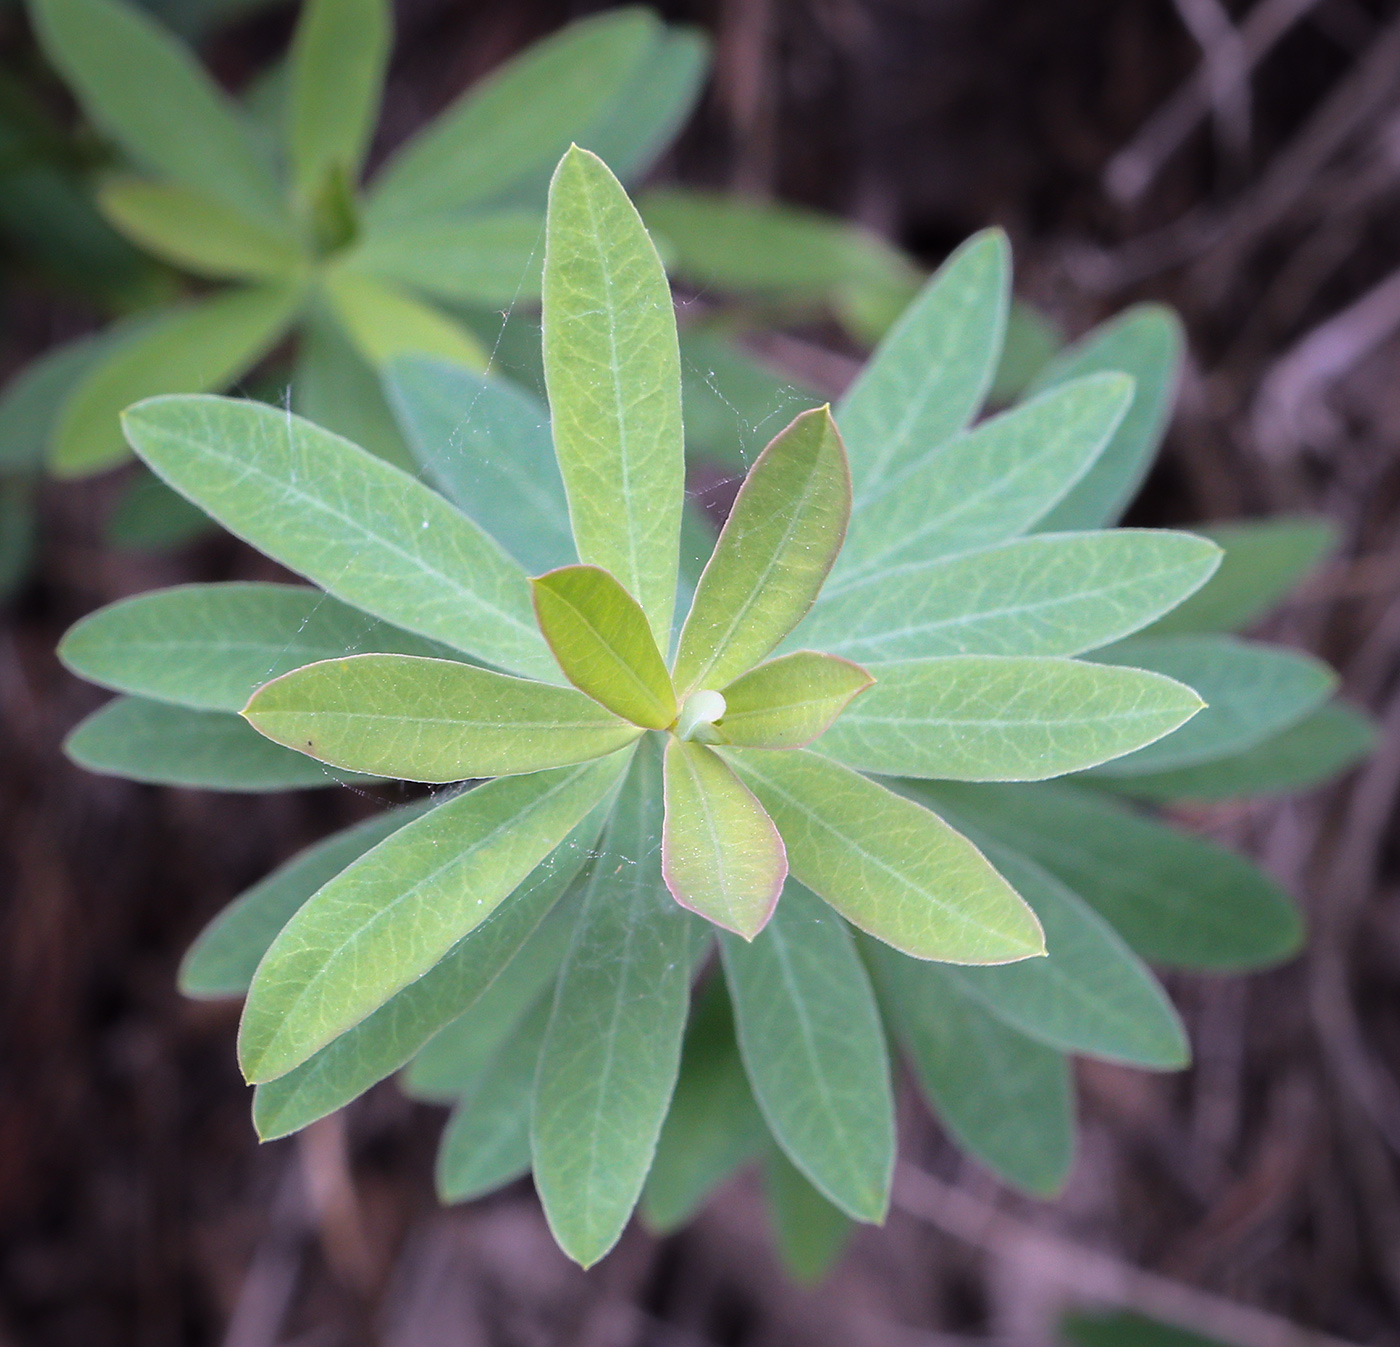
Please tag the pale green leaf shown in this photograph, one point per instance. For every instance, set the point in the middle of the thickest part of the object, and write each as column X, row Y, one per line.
column 491, row 259
column 1003, row 718
column 385, row 321
column 773, row 554
column 811, row 1233
column 612, row 367
column 1031, row 343
column 1252, row 691
column 360, row 528
column 814, row 1051
column 394, row 913
column 33, row 398
column 930, row 374
column 433, row 720
column 1146, row 342
column 612, row 1051
column 789, row 701
column 1051, row 594
column 1176, row 899
column 149, row 517
column 886, row 864
column 600, row 637
column 203, row 344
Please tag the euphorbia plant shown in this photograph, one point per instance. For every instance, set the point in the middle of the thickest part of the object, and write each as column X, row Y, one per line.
column 878, row 605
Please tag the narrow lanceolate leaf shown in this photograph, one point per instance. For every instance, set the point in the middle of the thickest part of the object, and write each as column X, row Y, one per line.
column 1252, row 691
column 713, row 1126
column 612, row 1051
column 432, row 719
column 776, row 548
column 1003, row 718
column 31, row 399
column 989, row 485
column 386, row 322
column 1053, row 594
column 814, row 1051
column 1146, row 342
column 612, row 368
column 789, row 701
column 361, row 529
column 175, row 746
column 221, row 962
column 810, row 1232
column 1005, row 1099
column 889, row 866
column 396, row 912
column 1176, row 899
column 209, row 646
column 600, row 637
column 484, row 259
column 720, row 853
column 929, row 375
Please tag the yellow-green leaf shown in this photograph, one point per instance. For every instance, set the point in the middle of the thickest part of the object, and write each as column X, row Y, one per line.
column 385, row 322
column 789, row 701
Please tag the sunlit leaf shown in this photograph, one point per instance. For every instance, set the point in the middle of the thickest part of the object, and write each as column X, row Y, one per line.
column 789, row 701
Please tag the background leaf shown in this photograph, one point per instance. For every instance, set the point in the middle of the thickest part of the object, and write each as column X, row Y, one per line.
column 149, row 517
column 493, row 259
column 811, row 1233
column 31, row 401
column 385, row 321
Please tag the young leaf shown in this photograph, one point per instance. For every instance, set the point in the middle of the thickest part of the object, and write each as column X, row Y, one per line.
column 886, row 864
column 491, row 259
column 720, row 853
column 811, row 1233
column 929, row 375
column 814, row 1051
column 223, row 958
column 385, row 322
column 185, row 349
column 776, row 548
column 1176, row 899
column 210, row 646
column 363, row 530
column 400, row 908
column 600, row 637
column 1005, row 1099
column 336, row 70
column 485, row 443
column 612, row 367
column 612, row 1051
column 789, row 701
column 713, row 1126
column 1251, row 691
column 1052, row 594
column 431, row 719
column 1003, row 718
column 1144, row 341
column 984, row 487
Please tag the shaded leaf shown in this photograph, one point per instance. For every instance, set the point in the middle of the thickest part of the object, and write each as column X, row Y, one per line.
column 491, row 259
column 1031, row 342
column 789, row 701
column 150, row 517
column 32, row 399
column 811, row 1233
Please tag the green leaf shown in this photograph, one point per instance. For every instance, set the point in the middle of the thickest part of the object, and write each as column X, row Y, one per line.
column 491, row 259
column 385, row 321
column 713, row 1128
column 17, row 535
column 600, row 637
column 773, row 554
column 379, row 1045
column 1264, row 559
column 1003, row 718
column 210, row 646
column 485, row 442
column 336, row 70
column 612, row 1051
column 1005, row 1099
column 984, row 487
column 394, row 913
column 720, row 853
column 150, row 517
column 1056, row 594
column 198, row 232
column 175, row 746
column 930, row 374
column 1252, row 691
column 811, row 1233
column 223, row 958
column 432, row 720
column 612, row 367
column 521, row 118
column 362, row 529
column 1306, row 754
column 1031, row 342
column 886, row 864
column 1146, row 342
column 789, row 701
column 1176, row 899
column 812, row 1045
column 145, row 90
column 1126, row 1329
column 487, row 1141
column 186, row 349
column 32, row 400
